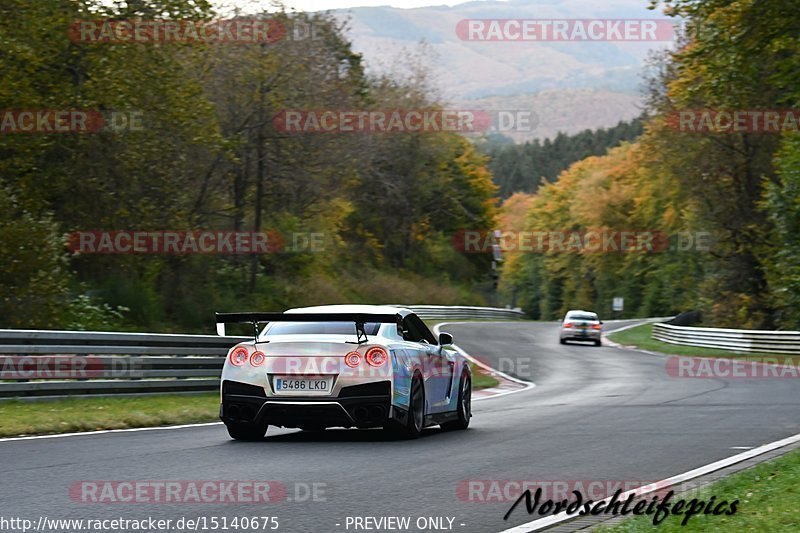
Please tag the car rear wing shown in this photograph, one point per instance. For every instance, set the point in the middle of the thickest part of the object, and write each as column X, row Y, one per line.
column 359, row 319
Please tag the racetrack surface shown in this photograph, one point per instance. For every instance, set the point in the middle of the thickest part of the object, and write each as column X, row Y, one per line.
column 596, row 413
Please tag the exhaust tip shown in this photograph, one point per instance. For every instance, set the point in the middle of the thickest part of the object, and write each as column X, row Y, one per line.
column 360, row 414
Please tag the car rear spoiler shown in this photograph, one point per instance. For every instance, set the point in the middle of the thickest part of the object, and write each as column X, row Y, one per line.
column 359, row 319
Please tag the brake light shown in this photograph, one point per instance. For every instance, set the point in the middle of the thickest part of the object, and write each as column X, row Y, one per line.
column 239, row 356
column 376, row 356
column 597, row 326
column 352, row 359
column 258, row 358
column 568, row 324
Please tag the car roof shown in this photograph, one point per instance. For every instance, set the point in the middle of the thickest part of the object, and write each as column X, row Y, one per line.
column 352, row 308
column 579, row 311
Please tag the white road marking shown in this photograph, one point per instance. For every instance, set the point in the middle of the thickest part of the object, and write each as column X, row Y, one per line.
column 527, row 385
column 102, row 431
column 541, row 523
column 629, row 326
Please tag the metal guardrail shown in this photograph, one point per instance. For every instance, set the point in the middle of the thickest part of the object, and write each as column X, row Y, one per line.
column 59, row 363
column 43, row 363
column 430, row 312
column 743, row 340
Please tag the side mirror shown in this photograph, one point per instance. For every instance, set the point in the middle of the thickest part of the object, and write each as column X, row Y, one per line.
column 445, row 339
column 600, row 321
column 221, row 329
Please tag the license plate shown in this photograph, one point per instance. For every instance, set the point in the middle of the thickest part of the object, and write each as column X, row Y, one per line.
column 292, row 385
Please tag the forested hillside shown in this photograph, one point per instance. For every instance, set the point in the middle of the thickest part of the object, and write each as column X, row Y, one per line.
column 740, row 185
column 206, row 154
column 522, row 167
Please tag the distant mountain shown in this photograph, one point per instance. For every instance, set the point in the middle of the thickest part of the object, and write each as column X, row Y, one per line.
column 565, row 110
column 572, row 85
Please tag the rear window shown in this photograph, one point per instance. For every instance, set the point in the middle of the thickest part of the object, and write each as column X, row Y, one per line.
column 319, row 328
column 582, row 316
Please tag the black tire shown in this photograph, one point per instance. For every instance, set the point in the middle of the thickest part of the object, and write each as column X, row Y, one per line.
column 246, row 432
column 464, row 405
column 562, row 341
column 415, row 422
column 598, row 342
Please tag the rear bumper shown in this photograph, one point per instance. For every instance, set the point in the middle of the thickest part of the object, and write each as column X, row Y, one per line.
column 363, row 406
column 589, row 335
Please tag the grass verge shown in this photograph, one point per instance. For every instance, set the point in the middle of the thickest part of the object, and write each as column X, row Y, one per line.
column 19, row 417
column 481, row 379
column 641, row 337
column 769, row 500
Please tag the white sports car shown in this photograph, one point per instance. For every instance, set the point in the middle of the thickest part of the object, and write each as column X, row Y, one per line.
column 347, row 366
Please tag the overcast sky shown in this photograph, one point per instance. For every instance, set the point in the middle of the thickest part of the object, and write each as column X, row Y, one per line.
column 317, row 5
column 321, row 5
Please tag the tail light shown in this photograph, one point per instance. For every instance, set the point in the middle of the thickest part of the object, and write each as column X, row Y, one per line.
column 352, row 359
column 239, row 356
column 597, row 326
column 258, row 358
column 568, row 324
column 376, row 356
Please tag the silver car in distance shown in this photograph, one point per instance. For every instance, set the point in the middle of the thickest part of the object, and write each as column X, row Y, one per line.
column 581, row 326
column 359, row 366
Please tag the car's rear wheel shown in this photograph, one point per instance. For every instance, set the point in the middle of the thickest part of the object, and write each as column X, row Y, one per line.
column 464, row 405
column 415, row 422
column 562, row 341
column 246, row 431
column 598, row 342
column 416, row 410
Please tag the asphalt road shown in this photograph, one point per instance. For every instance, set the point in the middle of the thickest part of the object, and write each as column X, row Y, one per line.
column 595, row 414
